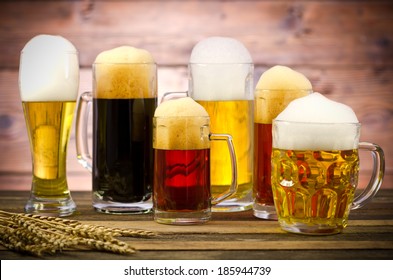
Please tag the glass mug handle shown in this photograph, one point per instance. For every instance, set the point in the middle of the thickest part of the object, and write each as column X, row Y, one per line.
column 233, row 188
column 173, row 95
column 376, row 179
column 82, row 116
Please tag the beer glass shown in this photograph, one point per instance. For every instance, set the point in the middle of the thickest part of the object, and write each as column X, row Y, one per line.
column 229, row 101
column 122, row 161
column 314, row 178
column 268, row 104
column 48, row 84
column 182, row 186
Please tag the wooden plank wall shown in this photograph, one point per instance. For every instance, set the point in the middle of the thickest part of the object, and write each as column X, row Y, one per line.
column 344, row 47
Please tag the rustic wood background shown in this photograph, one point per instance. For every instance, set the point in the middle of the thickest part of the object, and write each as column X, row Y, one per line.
column 344, row 47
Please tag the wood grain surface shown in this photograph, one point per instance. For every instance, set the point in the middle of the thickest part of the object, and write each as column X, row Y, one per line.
column 369, row 235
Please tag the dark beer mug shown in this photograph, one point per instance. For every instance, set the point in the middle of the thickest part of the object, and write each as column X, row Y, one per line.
column 124, row 99
column 182, row 183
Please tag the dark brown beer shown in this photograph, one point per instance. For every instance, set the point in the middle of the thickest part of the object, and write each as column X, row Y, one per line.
column 122, row 149
column 182, row 180
column 262, row 164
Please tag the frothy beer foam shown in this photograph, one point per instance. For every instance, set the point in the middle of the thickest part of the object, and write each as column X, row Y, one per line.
column 317, row 123
column 125, row 72
column 49, row 70
column 282, row 77
column 276, row 87
column 181, row 124
column 220, row 68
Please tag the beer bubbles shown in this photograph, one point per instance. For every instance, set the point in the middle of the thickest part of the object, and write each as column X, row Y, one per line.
column 125, row 72
column 308, row 113
column 183, row 119
column 49, row 70
column 220, row 67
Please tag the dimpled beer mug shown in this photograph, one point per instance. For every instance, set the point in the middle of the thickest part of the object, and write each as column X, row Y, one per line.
column 276, row 88
column 48, row 84
column 221, row 80
column 315, row 166
column 181, row 141
column 124, row 99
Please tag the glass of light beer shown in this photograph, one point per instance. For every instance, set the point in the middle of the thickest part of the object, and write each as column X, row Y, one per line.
column 315, row 171
column 48, row 83
column 221, row 80
column 124, row 98
column 182, row 181
column 230, row 112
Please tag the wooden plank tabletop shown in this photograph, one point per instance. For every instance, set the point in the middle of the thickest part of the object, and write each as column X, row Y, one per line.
column 369, row 235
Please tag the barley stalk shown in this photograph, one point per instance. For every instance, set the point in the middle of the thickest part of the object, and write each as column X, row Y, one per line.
column 39, row 235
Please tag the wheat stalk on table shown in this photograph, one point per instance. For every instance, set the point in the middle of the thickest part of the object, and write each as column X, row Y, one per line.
column 39, row 235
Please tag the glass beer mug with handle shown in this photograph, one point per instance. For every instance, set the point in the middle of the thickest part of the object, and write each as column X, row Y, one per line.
column 221, row 80
column 48, row 83
column 182, row 186
column 124, row 99
column 315, row 171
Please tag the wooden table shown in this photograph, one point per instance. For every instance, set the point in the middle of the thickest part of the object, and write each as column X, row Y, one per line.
column 231, row 235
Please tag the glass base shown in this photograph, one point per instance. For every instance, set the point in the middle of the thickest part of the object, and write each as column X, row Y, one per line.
column 310, row 229
column 234, row 204
column 144, row 207
column 228, row 206
column 182, row 218
column 56, row 207
column 263, row 211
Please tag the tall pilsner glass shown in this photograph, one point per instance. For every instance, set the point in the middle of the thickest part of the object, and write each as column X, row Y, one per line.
column 48, row 82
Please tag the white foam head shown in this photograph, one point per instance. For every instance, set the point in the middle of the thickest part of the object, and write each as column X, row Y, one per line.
column 315, row 122
column 181, row 124
column 49, row 70
column 181, row 107
column 282, row 77
column 221, row 68
column 276, row 88
column 125, row 72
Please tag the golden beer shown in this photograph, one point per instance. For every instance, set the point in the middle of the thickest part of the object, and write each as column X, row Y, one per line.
column 48, row 125
column 315, row 166
column 314, row 189
column 234, row 117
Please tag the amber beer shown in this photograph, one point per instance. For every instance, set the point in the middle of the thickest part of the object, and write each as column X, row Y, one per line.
column 314, row 187
column 268, row 104
column 262, row 165
column 235, row 118
column 48, row 125
column 181, row 169
column 182, row 180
